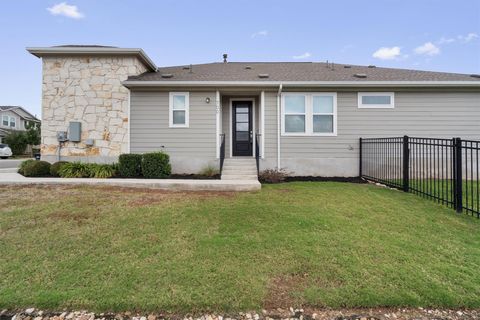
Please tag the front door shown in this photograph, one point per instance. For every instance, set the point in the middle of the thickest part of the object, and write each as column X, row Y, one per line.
column 242, row 135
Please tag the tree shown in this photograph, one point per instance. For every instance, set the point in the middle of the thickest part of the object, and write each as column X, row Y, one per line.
column 33, row 133
column 17, row 141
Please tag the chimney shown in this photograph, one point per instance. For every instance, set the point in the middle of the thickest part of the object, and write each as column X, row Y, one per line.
column 225, row 56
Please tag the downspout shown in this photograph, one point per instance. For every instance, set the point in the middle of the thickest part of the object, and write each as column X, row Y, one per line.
column 279, row 96
column 217, row 124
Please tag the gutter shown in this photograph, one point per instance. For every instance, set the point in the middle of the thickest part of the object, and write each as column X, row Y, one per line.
column 40, row 52
column 279, row 97
column 348, row 84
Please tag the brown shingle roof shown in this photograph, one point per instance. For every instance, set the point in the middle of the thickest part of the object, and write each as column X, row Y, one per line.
column 293, row 71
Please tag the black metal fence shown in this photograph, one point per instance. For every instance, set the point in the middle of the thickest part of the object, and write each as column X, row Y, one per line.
column 445, row 170
column 257, row 152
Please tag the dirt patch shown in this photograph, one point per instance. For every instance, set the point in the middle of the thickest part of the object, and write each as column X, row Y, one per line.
column 78, row 217
column 333, row 179
column 280, row 290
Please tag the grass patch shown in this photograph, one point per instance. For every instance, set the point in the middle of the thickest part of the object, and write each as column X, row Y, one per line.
column 321, row 244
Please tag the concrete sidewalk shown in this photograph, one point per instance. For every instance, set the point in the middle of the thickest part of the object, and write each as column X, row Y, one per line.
column 10, row 178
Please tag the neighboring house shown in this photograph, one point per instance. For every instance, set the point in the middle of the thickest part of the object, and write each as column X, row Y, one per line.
column 14, row 118
column 305, row 117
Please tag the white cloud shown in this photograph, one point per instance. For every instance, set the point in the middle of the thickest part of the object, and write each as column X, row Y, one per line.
column 444, row 40
column 385, row 53
column 428, row 49
column 262, row 33
column 64, row 9
column 303, row 56
column 469, row 37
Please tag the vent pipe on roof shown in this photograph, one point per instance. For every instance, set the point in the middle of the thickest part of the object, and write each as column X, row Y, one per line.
column 225, row 56
column 360, row 75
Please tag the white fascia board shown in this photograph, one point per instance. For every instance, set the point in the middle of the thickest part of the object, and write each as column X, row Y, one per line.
column 366, row 84
column 48, row 51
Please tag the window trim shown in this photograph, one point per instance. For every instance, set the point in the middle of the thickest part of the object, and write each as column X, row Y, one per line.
column 187, row 109
column 14, row 122
column 376, row 106
column 8, row 120
column 309, row 115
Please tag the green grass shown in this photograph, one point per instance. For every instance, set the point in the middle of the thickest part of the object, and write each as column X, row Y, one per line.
column 318, row 244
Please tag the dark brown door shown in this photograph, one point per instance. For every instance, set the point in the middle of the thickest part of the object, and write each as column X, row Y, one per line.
column 242, row 135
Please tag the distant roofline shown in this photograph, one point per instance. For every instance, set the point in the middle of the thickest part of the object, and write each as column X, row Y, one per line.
column 346, row 84
column 92, row 50
column 12, row 108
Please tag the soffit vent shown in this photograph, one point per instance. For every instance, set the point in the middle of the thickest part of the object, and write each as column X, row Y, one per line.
column 166, row 75
column 263, row 75
column 360, row 75
column 475, row 76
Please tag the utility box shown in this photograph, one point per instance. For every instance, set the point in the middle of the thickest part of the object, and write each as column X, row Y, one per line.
column 75, row 131
column 62, row 136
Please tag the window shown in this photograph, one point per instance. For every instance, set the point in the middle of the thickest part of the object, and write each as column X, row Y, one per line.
column 295, row 113
column 12, row 122
column 376, row 100
column 179, row 106
column 5, row 121
column 309, row 114
column 323, row 113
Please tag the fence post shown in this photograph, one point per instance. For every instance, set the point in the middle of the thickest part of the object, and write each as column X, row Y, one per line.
column 361, row 156
column 458, row 175
column 406, row 164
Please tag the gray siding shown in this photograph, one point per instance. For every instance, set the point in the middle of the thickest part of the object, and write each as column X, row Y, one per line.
column 190, row 148
column 430, row 114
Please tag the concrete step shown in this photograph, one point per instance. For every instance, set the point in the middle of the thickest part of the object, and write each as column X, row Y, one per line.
column 238, row 160
column 240, row 164
column 239, row 177
column 236, row 173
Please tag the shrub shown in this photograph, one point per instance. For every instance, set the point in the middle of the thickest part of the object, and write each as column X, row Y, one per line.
column 101, row 170
column 209, row 171
column 272, row 176
column 23, row 165
column 37, row 169
column 74, row 170
column 156, row 165
column 17, row 141
column 130, row 165
column 55, row 168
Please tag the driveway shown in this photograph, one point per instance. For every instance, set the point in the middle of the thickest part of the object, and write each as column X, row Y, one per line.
column 10, row 165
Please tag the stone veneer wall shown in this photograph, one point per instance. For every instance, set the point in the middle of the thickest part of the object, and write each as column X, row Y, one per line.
column 88, row 90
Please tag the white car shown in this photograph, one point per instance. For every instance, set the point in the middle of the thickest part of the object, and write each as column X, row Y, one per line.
column 5, row 151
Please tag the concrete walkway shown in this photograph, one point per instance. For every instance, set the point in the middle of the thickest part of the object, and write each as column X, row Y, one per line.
column 11, row 178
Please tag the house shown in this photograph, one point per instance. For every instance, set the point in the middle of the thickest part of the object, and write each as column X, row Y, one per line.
column 14, row 118
column 306, row 117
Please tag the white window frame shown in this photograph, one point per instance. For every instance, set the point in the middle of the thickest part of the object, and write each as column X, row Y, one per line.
column 8, row 120
column 309, row 114
column 187, row 109
column 376, row 106
column 14, row 122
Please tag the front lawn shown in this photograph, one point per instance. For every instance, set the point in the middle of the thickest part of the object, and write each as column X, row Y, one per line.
column 309, row 243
